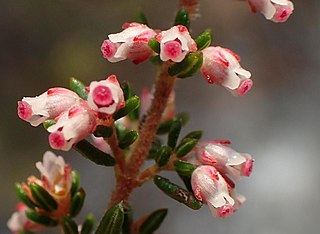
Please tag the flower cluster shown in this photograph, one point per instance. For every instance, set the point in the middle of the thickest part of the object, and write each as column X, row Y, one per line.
column 49, row 196
column 74, row 118
column 210, row 180
column 220, row 66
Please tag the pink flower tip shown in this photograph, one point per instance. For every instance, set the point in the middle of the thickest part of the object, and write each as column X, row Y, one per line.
column 56, row 140
column 102, row 96
column 108, row 49
column 246, row 168
column 245, row 86
column 24, row 110
column 225, row 211
column 172, row 49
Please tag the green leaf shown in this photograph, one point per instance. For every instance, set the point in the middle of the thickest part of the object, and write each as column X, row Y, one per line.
column 103, row 131
column 69, row 226
column 24, row 197
column 156, row 144
column 88, row 224
column 112, row 220
column 95, row 155
column 128, row 219
column 77, row 202
column 183, row 117
column 75, row 181
column 79, row 88
column 154, row 45
column 188, row 66
column 163, row 155
column 121, row 130
column 128, row 139
column 186, row 146
column 177, row 193
column 141, row 18
column 131, row 104
column 194, row 134
column 184, row 168
column 41, row 219
column 174, row 133
column 165, row 127
column 42, row 198
column 127, row 89
column 182, row 18
column 48, row 123
column 153, row 221
column 203, row 40
column 156, row 60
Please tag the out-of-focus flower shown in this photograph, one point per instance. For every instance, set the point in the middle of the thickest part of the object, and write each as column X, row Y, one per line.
column 275, row 10
column 106, row 96
column 175, row 43
column 225, row 159
column 101, row 144
column 56, row 179
column 48, row 105
column 211, row 188
column 221, row 66
column 72, row 126
column 146, row 99
column 19, row 223
column 131, row 43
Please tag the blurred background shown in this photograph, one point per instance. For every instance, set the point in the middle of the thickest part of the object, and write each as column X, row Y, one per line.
column 43, row 43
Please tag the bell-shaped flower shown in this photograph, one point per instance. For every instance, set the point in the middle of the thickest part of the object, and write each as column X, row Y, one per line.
column 48, row 105
column 275, row 10
column 56, row 179
column 221, row 66
column 131, row 43
column 175, row 43
column 146, row 99
column 225, row 159
column 211, row 188
column 72, row 126
column 106, row 96
column 19, row 223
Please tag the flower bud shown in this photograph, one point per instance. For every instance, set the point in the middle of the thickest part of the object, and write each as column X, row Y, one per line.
column 225, row 159
column 72, row 126
column 106, row 96
column 131, row 43
column 48, row 105
column 211, row 188
column 275, row 10
column 175, row 43
column 221, row 66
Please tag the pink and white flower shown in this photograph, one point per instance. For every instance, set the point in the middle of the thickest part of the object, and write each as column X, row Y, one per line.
column 56, row 179
column 275, row 10
column 48, row 105
column 19, row 223
column 211, row 188
column 221, row 66
column 106, row 96
column 131, row 43
column 175, row 43
column 72, row 126
column 225, row 159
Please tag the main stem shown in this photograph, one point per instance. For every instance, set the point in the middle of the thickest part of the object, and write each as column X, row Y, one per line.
column 129, row 179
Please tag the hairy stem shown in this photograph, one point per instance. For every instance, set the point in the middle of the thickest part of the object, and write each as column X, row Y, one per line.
column 128, row 180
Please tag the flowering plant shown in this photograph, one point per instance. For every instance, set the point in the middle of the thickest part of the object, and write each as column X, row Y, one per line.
column 108, row 124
